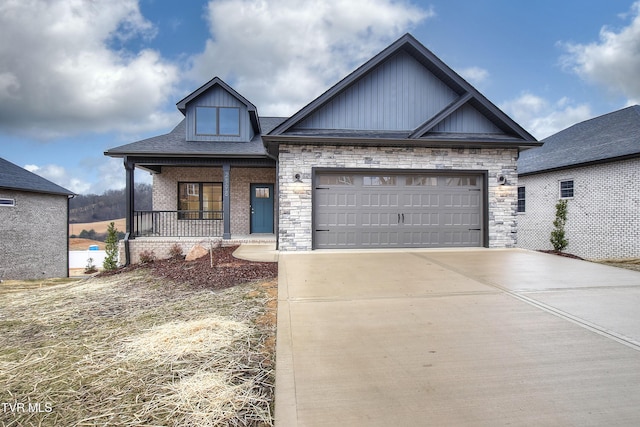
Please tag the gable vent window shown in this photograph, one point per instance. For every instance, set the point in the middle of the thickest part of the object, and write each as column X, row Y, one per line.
column 219, row 121
column 566, row 189
column 521, row 200
column 7, row 202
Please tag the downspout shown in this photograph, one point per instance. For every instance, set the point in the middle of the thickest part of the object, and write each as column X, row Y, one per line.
column 69, row 197
column 127, row 252
column 129, row 202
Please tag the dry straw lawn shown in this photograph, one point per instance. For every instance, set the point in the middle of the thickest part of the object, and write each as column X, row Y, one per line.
column 133, row 349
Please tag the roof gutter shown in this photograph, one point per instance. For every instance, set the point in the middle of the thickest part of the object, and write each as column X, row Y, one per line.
column 274, row 140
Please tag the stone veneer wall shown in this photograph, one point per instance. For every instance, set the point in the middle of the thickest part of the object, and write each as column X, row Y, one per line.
column 165, row 189
column 603, row 218
column 33, row 236
column 295, row 216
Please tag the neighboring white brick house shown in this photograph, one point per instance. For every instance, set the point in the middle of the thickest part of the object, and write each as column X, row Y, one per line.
column 402, row 152
column 33, row 225
column 601, row 158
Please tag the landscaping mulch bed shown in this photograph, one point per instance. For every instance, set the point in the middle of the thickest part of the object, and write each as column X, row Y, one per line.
column 219, row 271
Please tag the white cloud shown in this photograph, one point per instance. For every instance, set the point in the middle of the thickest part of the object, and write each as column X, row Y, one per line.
column 59, row 175
column 92, row 176
column 613, row 61
column 61, row 73
column 543, row 118
column 281, row 54
column 475, row 75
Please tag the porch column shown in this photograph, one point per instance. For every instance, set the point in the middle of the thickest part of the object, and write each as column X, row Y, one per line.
column 226, row 200
column 130, row 167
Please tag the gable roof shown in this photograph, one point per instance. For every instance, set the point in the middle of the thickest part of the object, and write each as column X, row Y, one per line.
column 13, row 177
column 610, row 137
column 216, row 81
column 463, row 97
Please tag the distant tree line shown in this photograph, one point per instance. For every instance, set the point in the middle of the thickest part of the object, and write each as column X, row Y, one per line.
column 110, row 205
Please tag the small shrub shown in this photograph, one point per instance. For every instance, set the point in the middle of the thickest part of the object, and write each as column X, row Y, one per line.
column 558, row 238
column 111, row 248
column 175, row 251
column 147, row 257
column 90, row 268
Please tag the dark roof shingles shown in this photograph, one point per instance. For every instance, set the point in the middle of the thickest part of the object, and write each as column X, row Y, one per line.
column 609, row 136
column 175, row 143
column 14, row 177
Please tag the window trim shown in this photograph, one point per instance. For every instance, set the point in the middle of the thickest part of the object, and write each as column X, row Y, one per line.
column 218, row 215
column 521, row 202
column 7, row 202
column 560, row 189
column 217, row 116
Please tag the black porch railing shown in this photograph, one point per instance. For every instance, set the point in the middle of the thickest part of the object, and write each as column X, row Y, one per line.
column 177, row 224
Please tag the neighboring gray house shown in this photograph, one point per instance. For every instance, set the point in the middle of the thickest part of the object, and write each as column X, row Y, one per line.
column 402, row 152
column 595, row 166
column 34, row 230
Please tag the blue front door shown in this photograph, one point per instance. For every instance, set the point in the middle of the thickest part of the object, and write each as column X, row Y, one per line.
column 262, row 208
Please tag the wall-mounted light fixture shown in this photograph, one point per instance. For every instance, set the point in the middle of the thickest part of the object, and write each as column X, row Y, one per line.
column 297, row 177
column 502, row 180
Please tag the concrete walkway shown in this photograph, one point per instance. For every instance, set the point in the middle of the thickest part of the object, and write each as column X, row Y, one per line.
column 459, row 337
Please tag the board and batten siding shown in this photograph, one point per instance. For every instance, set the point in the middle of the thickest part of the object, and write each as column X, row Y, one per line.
column 467, row 120
column 400, row 94
column 218, row 97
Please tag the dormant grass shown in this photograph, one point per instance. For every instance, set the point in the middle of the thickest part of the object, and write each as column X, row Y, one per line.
column 132, row 350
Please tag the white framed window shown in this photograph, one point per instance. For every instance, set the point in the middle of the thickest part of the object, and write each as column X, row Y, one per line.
column 566, row 189
column 7, row 202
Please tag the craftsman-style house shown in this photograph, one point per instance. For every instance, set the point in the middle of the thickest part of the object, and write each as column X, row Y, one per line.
column 402, row 152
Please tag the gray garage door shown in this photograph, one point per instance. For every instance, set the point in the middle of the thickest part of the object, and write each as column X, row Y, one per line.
column 387, row 210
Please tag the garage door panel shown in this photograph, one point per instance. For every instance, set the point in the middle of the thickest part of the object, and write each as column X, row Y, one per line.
column 421, row 238
column 461, row 238
column 379, row 200
column 466, row 219
column 379, row 238
column 336, row 239
column 334, row 219
column 422, row 219
column 376, row 219
column 398, row 210
column 420, row 200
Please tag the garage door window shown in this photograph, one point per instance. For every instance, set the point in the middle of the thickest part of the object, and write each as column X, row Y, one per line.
column 419, row 180
column 461, row 181
column 372, row 181
column 336, row 180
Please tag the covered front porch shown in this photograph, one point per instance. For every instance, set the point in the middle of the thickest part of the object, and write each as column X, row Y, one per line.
column 207, row 201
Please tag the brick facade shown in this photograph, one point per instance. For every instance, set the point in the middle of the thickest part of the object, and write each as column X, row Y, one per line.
column 295, row 216
column 165, row 189
column 34, row 236
column 603, row 220
column 165, row 197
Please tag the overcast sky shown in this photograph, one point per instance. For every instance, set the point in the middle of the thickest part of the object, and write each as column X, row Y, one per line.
column 80, row 76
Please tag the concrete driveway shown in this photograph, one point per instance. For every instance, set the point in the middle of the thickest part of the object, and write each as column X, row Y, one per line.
column 455, row 337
